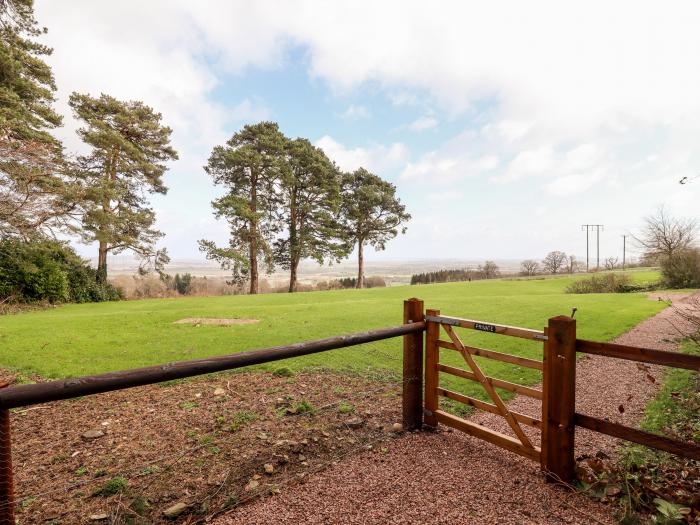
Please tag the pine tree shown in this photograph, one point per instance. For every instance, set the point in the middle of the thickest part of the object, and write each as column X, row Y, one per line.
column 310, row 191
column 250, row 167
column 371, row 214
column 37, row 191
column 130, row 148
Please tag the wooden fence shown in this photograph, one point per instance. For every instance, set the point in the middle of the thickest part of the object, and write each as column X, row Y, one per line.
column 421, row 399
column 558, row 419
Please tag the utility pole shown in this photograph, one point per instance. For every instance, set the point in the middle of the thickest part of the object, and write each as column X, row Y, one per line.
column 624, row 250
column 589, row 227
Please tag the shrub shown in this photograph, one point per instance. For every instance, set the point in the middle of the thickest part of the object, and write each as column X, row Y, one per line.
column 48, row 271
column 603, row 283
column 682, row 269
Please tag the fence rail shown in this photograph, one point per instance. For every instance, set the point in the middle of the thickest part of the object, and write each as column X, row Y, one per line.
column 24, row 395
column 641, row 355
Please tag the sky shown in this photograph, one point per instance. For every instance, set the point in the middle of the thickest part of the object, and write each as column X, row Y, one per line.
column 505, row 126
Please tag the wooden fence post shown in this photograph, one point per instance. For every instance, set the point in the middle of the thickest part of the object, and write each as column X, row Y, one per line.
column 559, row 400
column 7, row 497
column 432, row 358
column 413, row 367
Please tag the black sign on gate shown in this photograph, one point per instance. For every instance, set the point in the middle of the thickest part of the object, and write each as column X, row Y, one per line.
column 485, row 327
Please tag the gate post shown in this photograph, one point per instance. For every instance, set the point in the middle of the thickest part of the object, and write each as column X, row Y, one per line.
column 7, row 497
column 413, row 367
column 559, row 400
column 432, row 358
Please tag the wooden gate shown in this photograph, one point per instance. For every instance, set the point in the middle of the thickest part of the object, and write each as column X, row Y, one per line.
column 436, row 324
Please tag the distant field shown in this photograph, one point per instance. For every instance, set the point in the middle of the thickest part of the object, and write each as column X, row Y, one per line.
column 91, row 338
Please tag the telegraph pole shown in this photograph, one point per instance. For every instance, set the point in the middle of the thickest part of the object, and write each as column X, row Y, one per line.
column 624, row 250
column 589, row 227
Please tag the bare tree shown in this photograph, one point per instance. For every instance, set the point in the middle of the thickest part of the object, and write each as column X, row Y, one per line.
column 554, row 262
column 664, row 235
column 572, row 265
column 529, row 267
column 610, row 263
column 489, row 270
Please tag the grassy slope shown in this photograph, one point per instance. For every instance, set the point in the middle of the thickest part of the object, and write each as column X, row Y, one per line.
column 675, row 409
column 85, row 339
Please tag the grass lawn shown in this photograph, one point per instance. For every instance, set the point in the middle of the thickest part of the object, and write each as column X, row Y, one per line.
column 84, row 339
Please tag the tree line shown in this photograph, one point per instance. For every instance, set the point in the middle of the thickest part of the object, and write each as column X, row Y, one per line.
column 284, row 201
column 488, row 270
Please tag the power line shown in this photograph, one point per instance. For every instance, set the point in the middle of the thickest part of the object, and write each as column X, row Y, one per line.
column 588, row 228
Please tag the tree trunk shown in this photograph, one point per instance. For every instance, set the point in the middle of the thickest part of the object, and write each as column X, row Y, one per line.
column 360, row 264
column 253, row 246
column 293, row 276
column 253, row 269
column 102, row 263
column 111, row 172
column 293, row 244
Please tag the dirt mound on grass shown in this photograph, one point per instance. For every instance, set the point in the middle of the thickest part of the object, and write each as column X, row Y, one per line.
column 214, row 321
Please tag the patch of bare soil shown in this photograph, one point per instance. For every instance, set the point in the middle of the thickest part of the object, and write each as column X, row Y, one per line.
column 191, row 449
column 197, row 321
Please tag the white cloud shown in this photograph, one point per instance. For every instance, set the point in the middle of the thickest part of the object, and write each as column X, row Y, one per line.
column 435, row 167
column 377, row 158
column 528, row 163
column 423, row 123
column 355, row 112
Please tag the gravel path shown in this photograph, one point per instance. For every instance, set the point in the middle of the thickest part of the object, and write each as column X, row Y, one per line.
column 450, row 477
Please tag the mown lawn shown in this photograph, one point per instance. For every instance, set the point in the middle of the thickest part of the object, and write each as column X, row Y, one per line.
column 84, row 339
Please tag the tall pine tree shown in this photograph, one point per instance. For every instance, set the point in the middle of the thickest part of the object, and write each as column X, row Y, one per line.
column 310, row 190
column 250, row 168
column 371, row 214
column 37, row 191
column 130, row 149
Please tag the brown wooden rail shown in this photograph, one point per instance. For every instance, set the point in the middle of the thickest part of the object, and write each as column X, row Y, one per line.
column 641, row 355
column 24, row 395
column 483, row 326
column 681, row 448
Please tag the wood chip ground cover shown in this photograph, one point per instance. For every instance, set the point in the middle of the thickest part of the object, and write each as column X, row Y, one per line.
column 193, row 447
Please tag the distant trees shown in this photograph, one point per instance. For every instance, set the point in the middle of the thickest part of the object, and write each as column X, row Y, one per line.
column 371, row 214
column 610, row 263
column 129, row 149
column 489, row 270
column 572, row 264
column 443, row 276
column 663, row 235
column 554, row 262
column 529, row 267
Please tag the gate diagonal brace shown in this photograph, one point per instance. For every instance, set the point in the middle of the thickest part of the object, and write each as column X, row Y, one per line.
column 514, row 425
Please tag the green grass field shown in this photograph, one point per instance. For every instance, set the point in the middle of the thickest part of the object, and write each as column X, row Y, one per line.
column 84, row 339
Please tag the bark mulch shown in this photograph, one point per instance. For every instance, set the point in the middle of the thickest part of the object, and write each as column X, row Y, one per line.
column 192, row 448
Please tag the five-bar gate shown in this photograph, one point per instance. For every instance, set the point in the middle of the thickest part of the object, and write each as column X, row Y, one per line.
column 558, row 418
